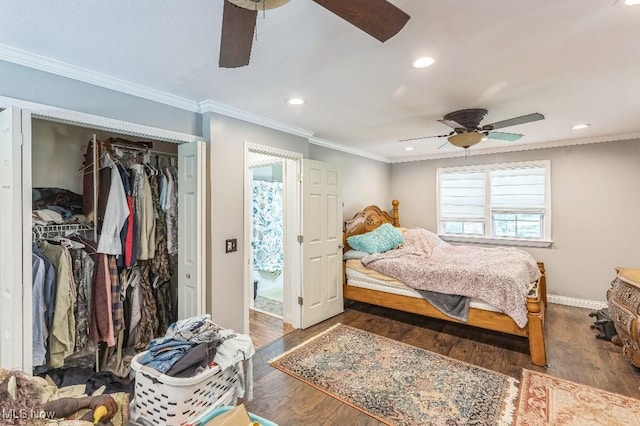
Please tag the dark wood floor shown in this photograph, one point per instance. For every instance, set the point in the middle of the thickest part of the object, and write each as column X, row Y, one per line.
column 574, row 354
column 265, row 328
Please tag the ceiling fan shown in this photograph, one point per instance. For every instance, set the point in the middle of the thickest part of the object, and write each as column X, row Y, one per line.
column 467, row 131
column 378, row 18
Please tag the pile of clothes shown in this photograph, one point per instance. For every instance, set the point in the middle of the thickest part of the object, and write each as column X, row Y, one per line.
column 194, row 344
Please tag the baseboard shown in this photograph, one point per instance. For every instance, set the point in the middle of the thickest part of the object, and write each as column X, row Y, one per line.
column 578, row 303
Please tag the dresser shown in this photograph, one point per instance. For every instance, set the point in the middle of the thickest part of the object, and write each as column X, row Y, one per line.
column 624, row 309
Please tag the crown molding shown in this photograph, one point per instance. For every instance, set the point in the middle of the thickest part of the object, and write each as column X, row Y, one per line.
column 63, row 69
column 209, row 105
column 76, row 118
column 42, row 63
column 525, row 147
column 349, row 150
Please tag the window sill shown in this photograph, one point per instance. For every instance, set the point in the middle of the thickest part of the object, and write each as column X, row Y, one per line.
column 496, row 241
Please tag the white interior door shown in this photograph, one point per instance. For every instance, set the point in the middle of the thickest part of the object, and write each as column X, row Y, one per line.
column 191, row 229
column 322, row 242
column 15, row 314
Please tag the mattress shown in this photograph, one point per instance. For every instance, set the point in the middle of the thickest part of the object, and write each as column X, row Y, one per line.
column 359, row 275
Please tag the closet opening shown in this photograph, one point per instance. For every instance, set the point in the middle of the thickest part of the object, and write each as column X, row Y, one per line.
column 105, row 247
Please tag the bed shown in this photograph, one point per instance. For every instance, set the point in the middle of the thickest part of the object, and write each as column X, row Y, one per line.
column 387, row 292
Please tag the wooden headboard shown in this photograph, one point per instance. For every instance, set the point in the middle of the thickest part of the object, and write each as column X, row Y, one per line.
column 369, row 219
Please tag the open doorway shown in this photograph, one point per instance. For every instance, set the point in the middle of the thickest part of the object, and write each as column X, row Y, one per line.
column 272, row 247
column 267, row 234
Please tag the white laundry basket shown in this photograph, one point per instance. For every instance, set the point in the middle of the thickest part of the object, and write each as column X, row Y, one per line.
column 165, row 400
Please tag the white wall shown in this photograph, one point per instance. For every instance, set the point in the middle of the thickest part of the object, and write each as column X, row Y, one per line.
column 365, row 181
column 33, row 85
column 595, row 210
column 226, row 211
column 58, row 153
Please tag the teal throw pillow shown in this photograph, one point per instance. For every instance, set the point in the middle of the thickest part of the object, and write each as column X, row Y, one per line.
column 384, row 238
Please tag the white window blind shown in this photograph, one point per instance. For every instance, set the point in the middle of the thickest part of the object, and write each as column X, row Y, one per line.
column 521, row 189
column 462, row 196
column 497, row 202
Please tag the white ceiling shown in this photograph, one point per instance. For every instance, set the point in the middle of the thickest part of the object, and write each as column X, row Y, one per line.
column 574, row 61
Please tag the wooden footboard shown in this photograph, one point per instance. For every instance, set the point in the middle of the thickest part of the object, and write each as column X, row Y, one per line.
column 496, row 321
column 536, row 305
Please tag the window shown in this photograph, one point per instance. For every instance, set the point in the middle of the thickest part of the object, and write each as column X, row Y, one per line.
column 495, row 203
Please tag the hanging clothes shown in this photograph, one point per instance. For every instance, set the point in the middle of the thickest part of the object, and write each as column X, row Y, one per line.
column 161, row 263
column 148, row 325
column 116, row 212
column 143, row 203
column 129, row 233
column 50, row 287
column 83, row 268
column 100, row 319
column 39, row 321
column 63, row 330
column 134, row 304
column 171, row 210
column 117, row 312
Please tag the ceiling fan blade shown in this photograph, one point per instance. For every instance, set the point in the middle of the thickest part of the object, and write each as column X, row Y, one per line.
column 515, row 121
column 238, row 25
column 452, row 124
column 443, row 145
column 424, row 137
column 504, row 136
column 378, row 18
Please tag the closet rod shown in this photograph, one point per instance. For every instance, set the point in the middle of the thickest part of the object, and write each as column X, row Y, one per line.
column 144, row 150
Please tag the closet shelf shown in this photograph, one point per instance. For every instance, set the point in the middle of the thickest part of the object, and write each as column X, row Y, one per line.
column 44, row 231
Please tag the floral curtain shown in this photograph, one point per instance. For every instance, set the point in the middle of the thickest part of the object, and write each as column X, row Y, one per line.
column 267, row 227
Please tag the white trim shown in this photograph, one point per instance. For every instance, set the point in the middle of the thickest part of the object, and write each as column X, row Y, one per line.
column 496, row 241
column 291, row 160
column 516, row 148
column 54, row 66
column 96, row 122
column 209, row 105
column 578, row 303
column 272, row 151
column 349, row 150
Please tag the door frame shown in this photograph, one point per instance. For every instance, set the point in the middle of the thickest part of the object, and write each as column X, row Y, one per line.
column 292, row 269
column 29, row 111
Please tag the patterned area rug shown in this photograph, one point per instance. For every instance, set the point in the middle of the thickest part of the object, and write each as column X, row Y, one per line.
column 400, row 384
column 548, row 400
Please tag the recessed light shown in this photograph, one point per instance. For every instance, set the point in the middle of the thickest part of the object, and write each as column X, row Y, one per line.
column 581, row 126
column 632, row 2
column 409, row 148
column 423, row 62
column 295, row 101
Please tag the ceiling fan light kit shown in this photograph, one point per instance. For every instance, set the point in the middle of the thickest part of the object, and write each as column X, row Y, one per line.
column 259, row 4
column 466, row 140
column 467, row 131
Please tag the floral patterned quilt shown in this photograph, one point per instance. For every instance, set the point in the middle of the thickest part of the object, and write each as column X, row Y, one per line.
column 499, row 276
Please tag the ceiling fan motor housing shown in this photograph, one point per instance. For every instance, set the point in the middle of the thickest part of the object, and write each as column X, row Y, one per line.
column 468, row 118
